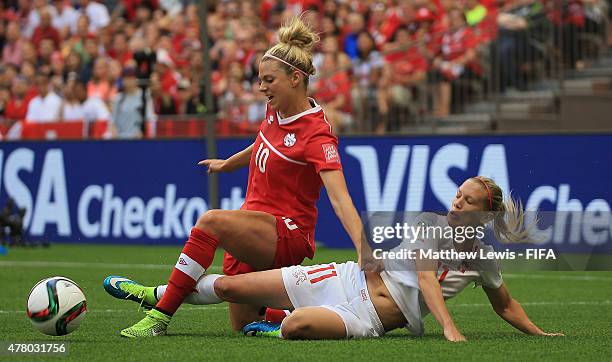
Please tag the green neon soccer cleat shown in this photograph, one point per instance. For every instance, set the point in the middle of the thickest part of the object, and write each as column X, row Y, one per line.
column 153, row 325
column 124, row 288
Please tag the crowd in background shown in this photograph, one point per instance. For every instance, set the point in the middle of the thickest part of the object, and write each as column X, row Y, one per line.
column 128, row 61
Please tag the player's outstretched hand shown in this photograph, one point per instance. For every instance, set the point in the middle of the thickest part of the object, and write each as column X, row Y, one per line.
column 452, row 334
column 214, row 165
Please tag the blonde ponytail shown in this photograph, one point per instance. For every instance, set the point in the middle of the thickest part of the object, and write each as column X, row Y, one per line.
column 509, row 220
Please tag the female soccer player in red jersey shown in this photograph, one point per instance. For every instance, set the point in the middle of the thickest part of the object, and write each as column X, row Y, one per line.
column 294, row 155
column 341, row 301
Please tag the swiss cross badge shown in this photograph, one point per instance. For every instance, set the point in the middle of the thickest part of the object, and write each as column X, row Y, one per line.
column 289, row 139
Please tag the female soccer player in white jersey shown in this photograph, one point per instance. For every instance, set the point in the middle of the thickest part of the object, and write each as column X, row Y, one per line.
column 333, row 301
column 294, row 154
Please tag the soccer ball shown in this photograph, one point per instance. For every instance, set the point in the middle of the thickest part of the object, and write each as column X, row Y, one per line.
column 56, row 306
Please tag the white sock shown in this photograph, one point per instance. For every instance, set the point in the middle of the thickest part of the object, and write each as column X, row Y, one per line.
column 204, row 294
column 159, row 291
column 280, row 335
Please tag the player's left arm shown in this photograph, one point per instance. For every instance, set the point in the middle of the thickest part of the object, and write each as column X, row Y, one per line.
column 512, row 312
column 341, row 201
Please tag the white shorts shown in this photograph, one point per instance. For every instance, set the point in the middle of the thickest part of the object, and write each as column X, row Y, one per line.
column 340, row 288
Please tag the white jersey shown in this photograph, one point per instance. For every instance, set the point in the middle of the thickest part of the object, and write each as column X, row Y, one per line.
column 400, row 276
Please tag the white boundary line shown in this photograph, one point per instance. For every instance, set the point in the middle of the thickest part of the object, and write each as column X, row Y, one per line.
column 83, row 265
column 134, row 310
column 70, row 264
column 462, row 305
column 556, row 277
column 529, row 304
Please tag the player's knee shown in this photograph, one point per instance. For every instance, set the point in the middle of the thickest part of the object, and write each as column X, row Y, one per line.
column 211, row 221
column 225, row 289
column 296, row 326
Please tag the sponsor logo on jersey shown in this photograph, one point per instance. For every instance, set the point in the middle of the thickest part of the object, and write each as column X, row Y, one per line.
column 289, row 139
column 364, row 295
column 270, row 119
column 182, row 261
column 331, row 153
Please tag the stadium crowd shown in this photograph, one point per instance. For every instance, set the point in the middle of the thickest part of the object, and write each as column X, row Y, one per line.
column 127, row 61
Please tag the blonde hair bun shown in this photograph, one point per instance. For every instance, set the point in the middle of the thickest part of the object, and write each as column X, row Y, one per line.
column 297, row 33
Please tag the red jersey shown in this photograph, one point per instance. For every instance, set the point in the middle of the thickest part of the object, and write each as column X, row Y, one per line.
column 287, row 157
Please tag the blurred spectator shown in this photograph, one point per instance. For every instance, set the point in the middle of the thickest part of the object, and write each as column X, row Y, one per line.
column 34, row 16
column 93, row 108
column 72, row 109
column 28, row 71
column 46, row 48
column 163, row 102
column 132, row 108
column 97, row 14
column 45, row 107
column 72, row 65
column 165, row 68
column 356, row 24
column 120, row 51
column 513, row 46
column 76, row 42
column 57, row 65
column 236, row 98
column 188, row 100
column 8, row 72
column 17, row 107
column 329, row 45
column 456, row 64
column 45, row 31
column 66, row 19
column 403, row 76
column 5, row 96
column 12, row 52
column 100, row 84
column 367, row 73
column 333, row 90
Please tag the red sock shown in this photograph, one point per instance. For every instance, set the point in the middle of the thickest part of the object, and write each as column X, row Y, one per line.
column 275, row 315
column 196, row 257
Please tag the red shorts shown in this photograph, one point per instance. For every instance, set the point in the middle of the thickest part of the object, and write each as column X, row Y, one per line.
column 292, row 247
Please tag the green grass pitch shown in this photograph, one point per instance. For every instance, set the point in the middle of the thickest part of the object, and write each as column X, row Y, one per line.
column 578, row 304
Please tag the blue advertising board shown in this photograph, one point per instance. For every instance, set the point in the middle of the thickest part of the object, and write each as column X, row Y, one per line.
column 151, row 192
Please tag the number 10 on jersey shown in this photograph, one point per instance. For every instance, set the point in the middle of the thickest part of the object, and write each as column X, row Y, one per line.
column 261, row 157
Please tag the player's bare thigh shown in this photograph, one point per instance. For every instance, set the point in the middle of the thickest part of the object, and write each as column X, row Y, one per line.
column 313, row 323
column 250, row 236
column 264, row 288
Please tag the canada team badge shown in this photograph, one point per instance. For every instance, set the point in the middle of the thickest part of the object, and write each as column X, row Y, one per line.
column 289, row 139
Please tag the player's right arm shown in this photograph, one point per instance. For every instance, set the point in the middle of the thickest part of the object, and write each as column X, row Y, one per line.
column 512, row 312
column 236, row 161
column 432, row 294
